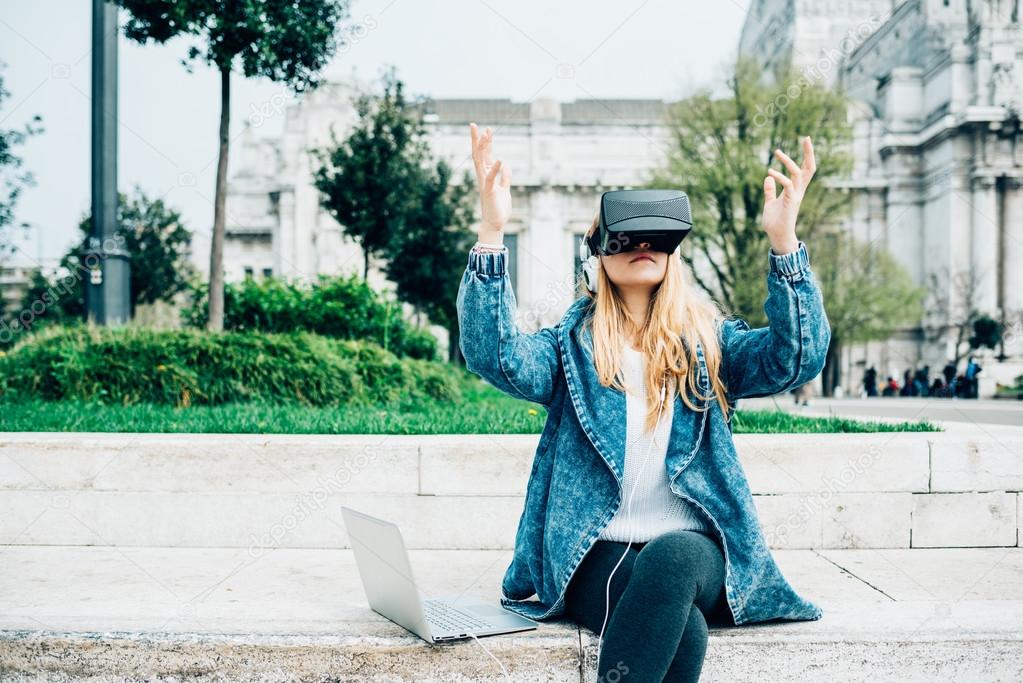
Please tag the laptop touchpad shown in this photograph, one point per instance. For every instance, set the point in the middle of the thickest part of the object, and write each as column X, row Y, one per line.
column 485, row 610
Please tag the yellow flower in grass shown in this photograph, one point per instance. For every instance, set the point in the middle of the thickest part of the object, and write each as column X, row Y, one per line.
column 161, row 367
column 533, row 411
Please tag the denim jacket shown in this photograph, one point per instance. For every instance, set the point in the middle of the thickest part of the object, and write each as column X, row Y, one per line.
column 575, row 485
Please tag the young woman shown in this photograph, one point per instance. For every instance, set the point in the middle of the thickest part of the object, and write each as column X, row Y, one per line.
column 688, row 539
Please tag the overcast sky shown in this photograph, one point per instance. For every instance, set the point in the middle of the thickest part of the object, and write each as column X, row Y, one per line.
column 456, row 48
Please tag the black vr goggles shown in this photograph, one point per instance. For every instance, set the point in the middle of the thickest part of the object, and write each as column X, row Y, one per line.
column 630, row 217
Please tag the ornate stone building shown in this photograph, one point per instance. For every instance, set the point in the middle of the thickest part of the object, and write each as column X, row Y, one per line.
column 938, row 168
column 562, row 155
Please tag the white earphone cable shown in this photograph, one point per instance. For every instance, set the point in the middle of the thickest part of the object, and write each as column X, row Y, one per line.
column 607, row 593
column 503, row 670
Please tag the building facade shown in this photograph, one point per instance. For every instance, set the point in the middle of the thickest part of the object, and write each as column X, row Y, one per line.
column 15, row 279
column 938, row 162
column 563, row 156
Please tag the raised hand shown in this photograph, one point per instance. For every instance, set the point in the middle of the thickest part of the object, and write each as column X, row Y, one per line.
column 779, row 220
column 493, row 179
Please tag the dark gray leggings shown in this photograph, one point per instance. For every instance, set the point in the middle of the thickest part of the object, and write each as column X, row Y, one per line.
column 652, row 632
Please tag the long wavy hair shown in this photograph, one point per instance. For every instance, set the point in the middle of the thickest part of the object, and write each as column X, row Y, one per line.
column 680, row 314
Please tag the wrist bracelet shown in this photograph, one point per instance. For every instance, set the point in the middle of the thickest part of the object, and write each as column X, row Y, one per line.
column 481, row 248
column 485, row 244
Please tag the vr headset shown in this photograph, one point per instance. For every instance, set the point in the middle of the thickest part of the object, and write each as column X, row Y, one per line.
column 629, row 217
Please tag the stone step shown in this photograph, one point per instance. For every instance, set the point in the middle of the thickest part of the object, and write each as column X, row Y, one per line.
column 205, row 614
column 484, row 464
column 260, row 522
column 884, row 490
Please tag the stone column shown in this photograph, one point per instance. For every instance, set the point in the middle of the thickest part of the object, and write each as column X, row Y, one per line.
column 307, row 207
column 284, row 232
column 875, row 215
column 1012, row 247
column 540, row 256
column 984, row 239
column 903, row 230
column 982, row 76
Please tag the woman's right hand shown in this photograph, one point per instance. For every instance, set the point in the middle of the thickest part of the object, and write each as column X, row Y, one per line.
column 493, row 180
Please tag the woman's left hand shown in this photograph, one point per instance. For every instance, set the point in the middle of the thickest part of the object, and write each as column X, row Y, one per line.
column 780, row 212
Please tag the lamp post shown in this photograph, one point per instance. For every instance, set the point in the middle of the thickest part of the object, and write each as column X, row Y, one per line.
column 108, row 284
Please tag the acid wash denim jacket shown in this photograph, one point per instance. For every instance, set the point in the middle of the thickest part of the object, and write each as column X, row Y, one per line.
column 575, row 485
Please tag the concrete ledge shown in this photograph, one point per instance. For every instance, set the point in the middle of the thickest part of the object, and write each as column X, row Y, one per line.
column 883, row 490
column 482, row 464
column 34, row 656
column 192, row 614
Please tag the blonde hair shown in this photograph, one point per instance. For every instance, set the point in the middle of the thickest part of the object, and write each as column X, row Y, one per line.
column 680, row 314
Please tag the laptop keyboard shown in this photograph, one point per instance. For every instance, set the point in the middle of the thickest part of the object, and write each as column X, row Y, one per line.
column 444, row 616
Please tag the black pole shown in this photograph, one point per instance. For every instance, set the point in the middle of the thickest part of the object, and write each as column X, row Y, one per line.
column 107, row 269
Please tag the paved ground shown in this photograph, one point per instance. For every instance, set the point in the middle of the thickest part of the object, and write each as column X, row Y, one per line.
column 1008, row 413
column 210, row 614
column 215, row 590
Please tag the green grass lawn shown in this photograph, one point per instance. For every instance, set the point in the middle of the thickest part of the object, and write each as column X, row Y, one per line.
column 483, row 410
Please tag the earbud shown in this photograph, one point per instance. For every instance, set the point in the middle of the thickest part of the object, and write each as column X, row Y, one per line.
column 589, row 265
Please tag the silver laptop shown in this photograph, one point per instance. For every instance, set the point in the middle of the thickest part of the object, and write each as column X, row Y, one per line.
column 386, row 573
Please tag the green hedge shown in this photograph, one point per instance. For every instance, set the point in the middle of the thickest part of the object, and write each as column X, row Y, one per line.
column 129, row 365
column 344, row 307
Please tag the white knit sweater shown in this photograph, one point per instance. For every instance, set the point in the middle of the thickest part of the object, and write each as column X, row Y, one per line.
column 655, row 509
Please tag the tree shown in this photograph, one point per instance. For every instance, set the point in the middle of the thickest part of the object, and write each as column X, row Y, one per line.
column 282, row 40
column 952, row 306
column 868, row 295
column 158, row 243
column 986, row 332
column 369, row 181
column 429, row 253
column 380, row 186
column 721, row 150
column 45, row 300
column 12, row 178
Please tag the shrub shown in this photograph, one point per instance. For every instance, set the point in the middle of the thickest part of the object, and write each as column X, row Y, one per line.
column 344, row 307
column 128, row 365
